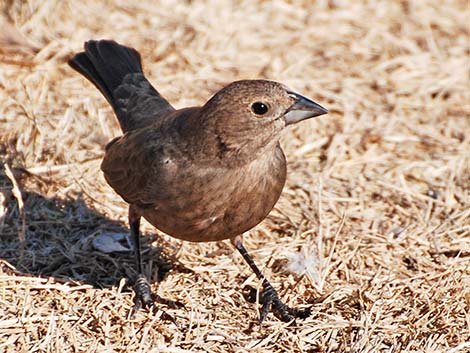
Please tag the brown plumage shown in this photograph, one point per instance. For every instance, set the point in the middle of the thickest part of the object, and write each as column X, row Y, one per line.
column 200, row 174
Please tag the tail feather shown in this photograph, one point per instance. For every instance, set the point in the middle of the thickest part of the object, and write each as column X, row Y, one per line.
column 81, row 63
column 113, row 61
column 105, row 63
column 116, row 71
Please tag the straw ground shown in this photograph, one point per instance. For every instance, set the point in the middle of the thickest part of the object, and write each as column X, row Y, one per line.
column 372, row 230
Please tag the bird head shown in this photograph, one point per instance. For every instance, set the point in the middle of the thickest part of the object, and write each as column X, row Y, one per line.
column 248, row 115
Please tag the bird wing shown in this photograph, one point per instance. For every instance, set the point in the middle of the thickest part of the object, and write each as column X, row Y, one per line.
column 131, row 166
column 138, row 104
column 143, row 165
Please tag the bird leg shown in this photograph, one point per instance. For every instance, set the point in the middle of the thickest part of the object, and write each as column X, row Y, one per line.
column 270, row 300
column 143, row 292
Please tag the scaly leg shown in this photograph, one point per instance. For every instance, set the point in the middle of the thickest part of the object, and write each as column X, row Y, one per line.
column 270, row 300
column 143, row 292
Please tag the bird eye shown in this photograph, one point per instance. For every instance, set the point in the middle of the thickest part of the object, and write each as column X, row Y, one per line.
column 259, row 108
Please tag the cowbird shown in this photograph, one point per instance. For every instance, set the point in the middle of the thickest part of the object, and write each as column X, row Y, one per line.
column 201, row 173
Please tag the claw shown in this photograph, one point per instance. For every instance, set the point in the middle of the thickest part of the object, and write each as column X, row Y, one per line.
column 143, row 292
column 300, row 313
column 145, row 298
column 265, row 309
column 174, row 304
column 270, row 301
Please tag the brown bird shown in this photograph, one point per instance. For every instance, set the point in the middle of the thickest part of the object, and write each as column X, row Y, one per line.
column 199, row 174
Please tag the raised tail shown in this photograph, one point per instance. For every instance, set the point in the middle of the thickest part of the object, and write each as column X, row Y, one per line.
column 116, row 70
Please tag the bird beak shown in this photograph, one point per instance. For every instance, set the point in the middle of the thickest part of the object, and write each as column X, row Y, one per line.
column 303, row 108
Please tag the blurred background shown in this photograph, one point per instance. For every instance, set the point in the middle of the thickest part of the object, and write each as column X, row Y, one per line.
column 372, row 230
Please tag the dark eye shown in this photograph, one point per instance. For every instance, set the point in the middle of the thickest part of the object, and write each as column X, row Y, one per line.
column 259, row 108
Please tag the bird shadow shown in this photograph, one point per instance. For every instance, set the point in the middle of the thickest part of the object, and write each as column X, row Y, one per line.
column 58, row 241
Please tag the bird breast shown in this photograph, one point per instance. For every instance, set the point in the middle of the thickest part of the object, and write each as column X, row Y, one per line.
column 210, row 204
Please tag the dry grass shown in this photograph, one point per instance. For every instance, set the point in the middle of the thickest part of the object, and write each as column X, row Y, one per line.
column 375, row 217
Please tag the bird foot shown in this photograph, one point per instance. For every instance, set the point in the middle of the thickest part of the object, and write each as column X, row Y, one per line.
column 270, row 302
column 145, row 298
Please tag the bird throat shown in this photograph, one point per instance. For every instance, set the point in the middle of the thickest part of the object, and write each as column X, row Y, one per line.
column 218, row 142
